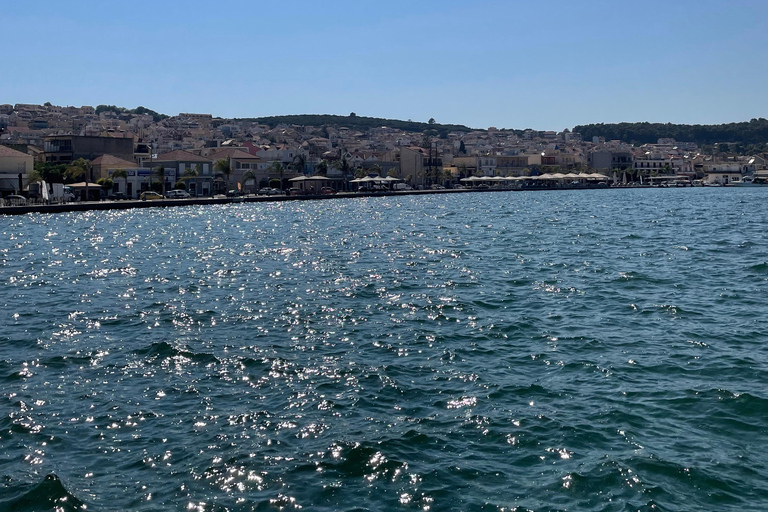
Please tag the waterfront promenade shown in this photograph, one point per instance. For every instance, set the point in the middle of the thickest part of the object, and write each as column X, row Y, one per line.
column 82, row 206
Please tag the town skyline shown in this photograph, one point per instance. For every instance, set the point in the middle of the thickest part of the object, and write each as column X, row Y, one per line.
column 502, row 64
column 130, row 151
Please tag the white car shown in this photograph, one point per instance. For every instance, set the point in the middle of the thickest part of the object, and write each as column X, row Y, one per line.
column 15, row 200
column 177, row 194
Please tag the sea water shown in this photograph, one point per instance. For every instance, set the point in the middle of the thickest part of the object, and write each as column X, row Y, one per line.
column 596, row 350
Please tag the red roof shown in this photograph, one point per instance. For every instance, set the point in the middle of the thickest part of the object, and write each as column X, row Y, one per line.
column 236, row 153
column 10, row 152
column 113, row 162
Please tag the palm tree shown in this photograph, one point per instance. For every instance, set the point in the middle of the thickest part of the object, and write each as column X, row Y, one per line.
column 191, row 174
column 248, row 176
column 222, row 165
column 343, row 166
column 106, row 184
column 121, row 173
column 276, row 167
column 158, row 173
column 34, row 176
column 299, row 163
column 80, row 167
column 321, row 168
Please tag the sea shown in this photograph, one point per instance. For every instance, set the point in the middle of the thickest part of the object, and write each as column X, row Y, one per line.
column 582, row 350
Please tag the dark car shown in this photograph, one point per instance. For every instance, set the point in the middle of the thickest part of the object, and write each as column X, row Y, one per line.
column 118, row 196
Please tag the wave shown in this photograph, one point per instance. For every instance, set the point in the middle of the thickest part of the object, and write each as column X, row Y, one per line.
column 50, row 494
column 163, row 350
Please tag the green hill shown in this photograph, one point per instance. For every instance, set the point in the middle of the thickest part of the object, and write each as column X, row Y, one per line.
column 752, row 133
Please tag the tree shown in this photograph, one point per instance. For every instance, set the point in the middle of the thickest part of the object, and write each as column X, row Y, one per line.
column 248, row 175
column 431, row 120
column 222, row 166
column 158, row 176
column 81, row 168
column 34, row 177
column 105, row 184
column 299, row 163
column 276, row 167
column 426, row 141
column 342, row 165
column 462, row 148
column 51, row 173
column 121, row 173
column 191, row 174
column 352, row 114
column 321, row 168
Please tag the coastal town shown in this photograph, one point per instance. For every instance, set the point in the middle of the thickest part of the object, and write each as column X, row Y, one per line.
column 57, row 154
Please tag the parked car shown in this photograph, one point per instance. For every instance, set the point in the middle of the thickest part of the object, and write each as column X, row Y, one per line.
column 150, row 196
column 234, row 193
column 327, row 191
column 15, row 200
column 117, row 196
column 178, row 194
column 266, row 191
column 402, row 186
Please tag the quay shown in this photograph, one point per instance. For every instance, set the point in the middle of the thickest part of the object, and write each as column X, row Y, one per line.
column 83, row 206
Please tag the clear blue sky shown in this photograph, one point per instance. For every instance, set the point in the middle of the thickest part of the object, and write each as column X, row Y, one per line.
column 513, row 64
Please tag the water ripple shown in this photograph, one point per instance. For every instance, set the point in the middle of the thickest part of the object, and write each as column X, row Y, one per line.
column 582, row 350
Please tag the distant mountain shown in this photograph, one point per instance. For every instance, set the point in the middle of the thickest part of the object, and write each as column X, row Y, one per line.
column 754, row 132
column 355, row 122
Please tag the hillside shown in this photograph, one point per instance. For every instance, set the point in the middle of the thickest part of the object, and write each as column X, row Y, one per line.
column 754, row 132
column 355, row 122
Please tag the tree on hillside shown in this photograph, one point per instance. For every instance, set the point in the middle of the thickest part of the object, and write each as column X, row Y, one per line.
column 462, row 148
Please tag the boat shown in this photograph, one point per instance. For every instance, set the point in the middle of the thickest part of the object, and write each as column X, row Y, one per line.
column 749, row 181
